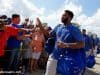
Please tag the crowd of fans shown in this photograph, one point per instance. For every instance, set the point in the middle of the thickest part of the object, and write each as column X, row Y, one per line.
column 22, row 46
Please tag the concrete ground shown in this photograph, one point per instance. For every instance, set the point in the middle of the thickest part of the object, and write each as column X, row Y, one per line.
column 94, row 71
column 41, row 72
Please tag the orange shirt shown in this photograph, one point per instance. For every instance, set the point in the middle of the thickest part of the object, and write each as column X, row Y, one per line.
column 9, row 31
column 38, row 41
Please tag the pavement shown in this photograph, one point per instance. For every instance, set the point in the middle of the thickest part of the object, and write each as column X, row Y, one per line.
column 90, row 71
column 96, row 69
column 42, row 72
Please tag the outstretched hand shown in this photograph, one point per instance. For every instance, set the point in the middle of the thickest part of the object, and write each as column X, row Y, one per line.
column 38, row 22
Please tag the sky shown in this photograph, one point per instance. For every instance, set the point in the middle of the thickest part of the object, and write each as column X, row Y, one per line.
column 87, row 12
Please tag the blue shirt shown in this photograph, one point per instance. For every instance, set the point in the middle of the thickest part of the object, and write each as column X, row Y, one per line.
column 88, row 42
column 12, row 42
column 69, row 34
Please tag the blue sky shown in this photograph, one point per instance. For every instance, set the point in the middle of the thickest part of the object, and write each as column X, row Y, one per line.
column 87, row 12
column 89, row 6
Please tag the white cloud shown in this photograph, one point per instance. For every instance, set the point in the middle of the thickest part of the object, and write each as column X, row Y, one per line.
column 24, row 7
column 33, row 8
column 91, row 23
column 5, row 5
column 85, row 20
column 55, row 17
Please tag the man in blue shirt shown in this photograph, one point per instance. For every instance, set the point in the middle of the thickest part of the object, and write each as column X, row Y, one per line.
column 14, row 44
column 88, row 42
column 96, row 41
column 69, row 43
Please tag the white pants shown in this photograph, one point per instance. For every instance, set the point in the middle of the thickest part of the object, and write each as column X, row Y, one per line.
column 51, row 66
